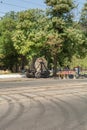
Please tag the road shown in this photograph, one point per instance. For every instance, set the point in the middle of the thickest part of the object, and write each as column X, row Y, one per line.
column 43, row 104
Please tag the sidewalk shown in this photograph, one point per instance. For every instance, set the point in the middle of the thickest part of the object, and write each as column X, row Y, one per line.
column 19, row 77
column 2, row 76
column 12, row 77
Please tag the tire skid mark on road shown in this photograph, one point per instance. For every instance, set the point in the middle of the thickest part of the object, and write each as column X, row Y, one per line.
column 56, row 102
column 64, row 111
column 20, row 98
column 14, row 116
column 83, row 115
column 74, row 117
column 40, row 110
column 26, row 99
column 38, row 89
column 55, row 105
column 38, row 121
column 8, row 111
column 33, row 99
column 62, row 93
column 23, row 88
column 21, row 107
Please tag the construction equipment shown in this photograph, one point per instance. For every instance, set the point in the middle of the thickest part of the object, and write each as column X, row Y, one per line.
column 40, row 69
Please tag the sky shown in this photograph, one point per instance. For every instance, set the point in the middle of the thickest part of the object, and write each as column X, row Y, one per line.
column 19, row 5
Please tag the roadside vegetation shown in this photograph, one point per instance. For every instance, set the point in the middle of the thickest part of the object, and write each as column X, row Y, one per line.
column 54, row 34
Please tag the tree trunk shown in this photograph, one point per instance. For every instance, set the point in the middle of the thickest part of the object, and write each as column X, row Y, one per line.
column 23, row 62
column 55, row 65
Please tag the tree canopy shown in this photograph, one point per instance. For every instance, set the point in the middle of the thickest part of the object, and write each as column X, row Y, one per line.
column 64, row 39
column 53, row 34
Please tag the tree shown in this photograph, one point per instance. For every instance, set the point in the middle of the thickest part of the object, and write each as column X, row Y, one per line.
column 82, row 49
column 7, row 50
column 83, row 22
column 60, row 14
column 64, row 38
column 83, row 18
column 29, row 35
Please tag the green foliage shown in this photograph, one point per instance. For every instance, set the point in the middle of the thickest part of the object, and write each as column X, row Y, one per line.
column 83, row 27
column 64, row 38
column 74, row 43
column 83, row 18
column 34, row 33
column 8, row 54
column 82, row 62
column 29, row 35
column 60, row 6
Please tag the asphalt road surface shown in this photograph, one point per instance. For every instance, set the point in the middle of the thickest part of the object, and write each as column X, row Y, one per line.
column 44, row 104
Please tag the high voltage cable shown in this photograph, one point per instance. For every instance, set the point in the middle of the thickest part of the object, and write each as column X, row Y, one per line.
column 5, row 3
column 32, row 2
column 25, row 1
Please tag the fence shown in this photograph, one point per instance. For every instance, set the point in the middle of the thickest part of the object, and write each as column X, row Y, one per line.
column 67, row 74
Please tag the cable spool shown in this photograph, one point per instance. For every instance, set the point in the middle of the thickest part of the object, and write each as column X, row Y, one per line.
column 41, row 64
column 41, row 68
